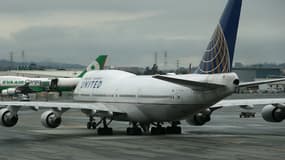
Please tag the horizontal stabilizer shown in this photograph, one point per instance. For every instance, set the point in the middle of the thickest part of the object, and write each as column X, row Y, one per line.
column 189, row 83
column 278, row 102
column 255, row 83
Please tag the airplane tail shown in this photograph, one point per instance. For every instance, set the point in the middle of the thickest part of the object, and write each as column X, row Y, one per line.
column 218, row 57
column 98, row 64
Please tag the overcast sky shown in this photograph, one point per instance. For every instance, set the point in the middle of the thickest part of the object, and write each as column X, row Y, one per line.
column 130, row 31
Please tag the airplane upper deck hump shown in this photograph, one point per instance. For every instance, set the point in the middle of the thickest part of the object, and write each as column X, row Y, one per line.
column 218, row 57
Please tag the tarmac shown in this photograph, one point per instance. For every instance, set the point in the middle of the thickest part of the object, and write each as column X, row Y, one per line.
column 226, row 136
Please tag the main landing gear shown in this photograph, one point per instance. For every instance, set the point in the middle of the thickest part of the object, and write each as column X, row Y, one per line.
column 158, row 129
column 173, row 129
column 134, row 130
column 105, row 130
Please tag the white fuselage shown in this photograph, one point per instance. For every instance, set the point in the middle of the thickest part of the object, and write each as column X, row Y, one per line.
column 147, row 99
column 15, row 81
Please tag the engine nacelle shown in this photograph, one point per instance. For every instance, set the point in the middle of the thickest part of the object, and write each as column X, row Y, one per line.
column 271, row 113
column 50, row 119
column 200, row 118
column 7, row 118
column 10, row 92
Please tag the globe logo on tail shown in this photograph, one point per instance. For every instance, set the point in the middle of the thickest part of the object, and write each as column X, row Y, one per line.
column 216, row 58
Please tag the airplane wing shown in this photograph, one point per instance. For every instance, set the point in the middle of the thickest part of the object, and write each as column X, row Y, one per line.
column 278, row 102
column 255, row 83
column 205, row 86
column 36, row 105
column 188, row 83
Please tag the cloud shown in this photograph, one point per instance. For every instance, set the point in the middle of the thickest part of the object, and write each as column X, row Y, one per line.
column 165, row 37
column 76, row 19
column 130, row 31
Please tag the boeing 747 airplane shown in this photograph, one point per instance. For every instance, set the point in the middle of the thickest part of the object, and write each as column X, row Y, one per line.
column 158, row 100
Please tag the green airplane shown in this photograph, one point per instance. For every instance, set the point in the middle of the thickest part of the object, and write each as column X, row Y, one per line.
column 13, row 85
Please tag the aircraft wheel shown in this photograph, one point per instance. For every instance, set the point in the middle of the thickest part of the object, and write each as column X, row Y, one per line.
column 134, row 131
column 94, row 125
column 104, row 131
column 89, row 125
column 157, row 130
column 173, row 130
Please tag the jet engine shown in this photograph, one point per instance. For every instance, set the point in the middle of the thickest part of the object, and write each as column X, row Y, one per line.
column 10, row 92
column 50, row 119
column 271, row 113
column 8, row 119
column 200, row 118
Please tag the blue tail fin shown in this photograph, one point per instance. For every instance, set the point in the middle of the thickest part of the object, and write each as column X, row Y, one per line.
column 218, row 57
